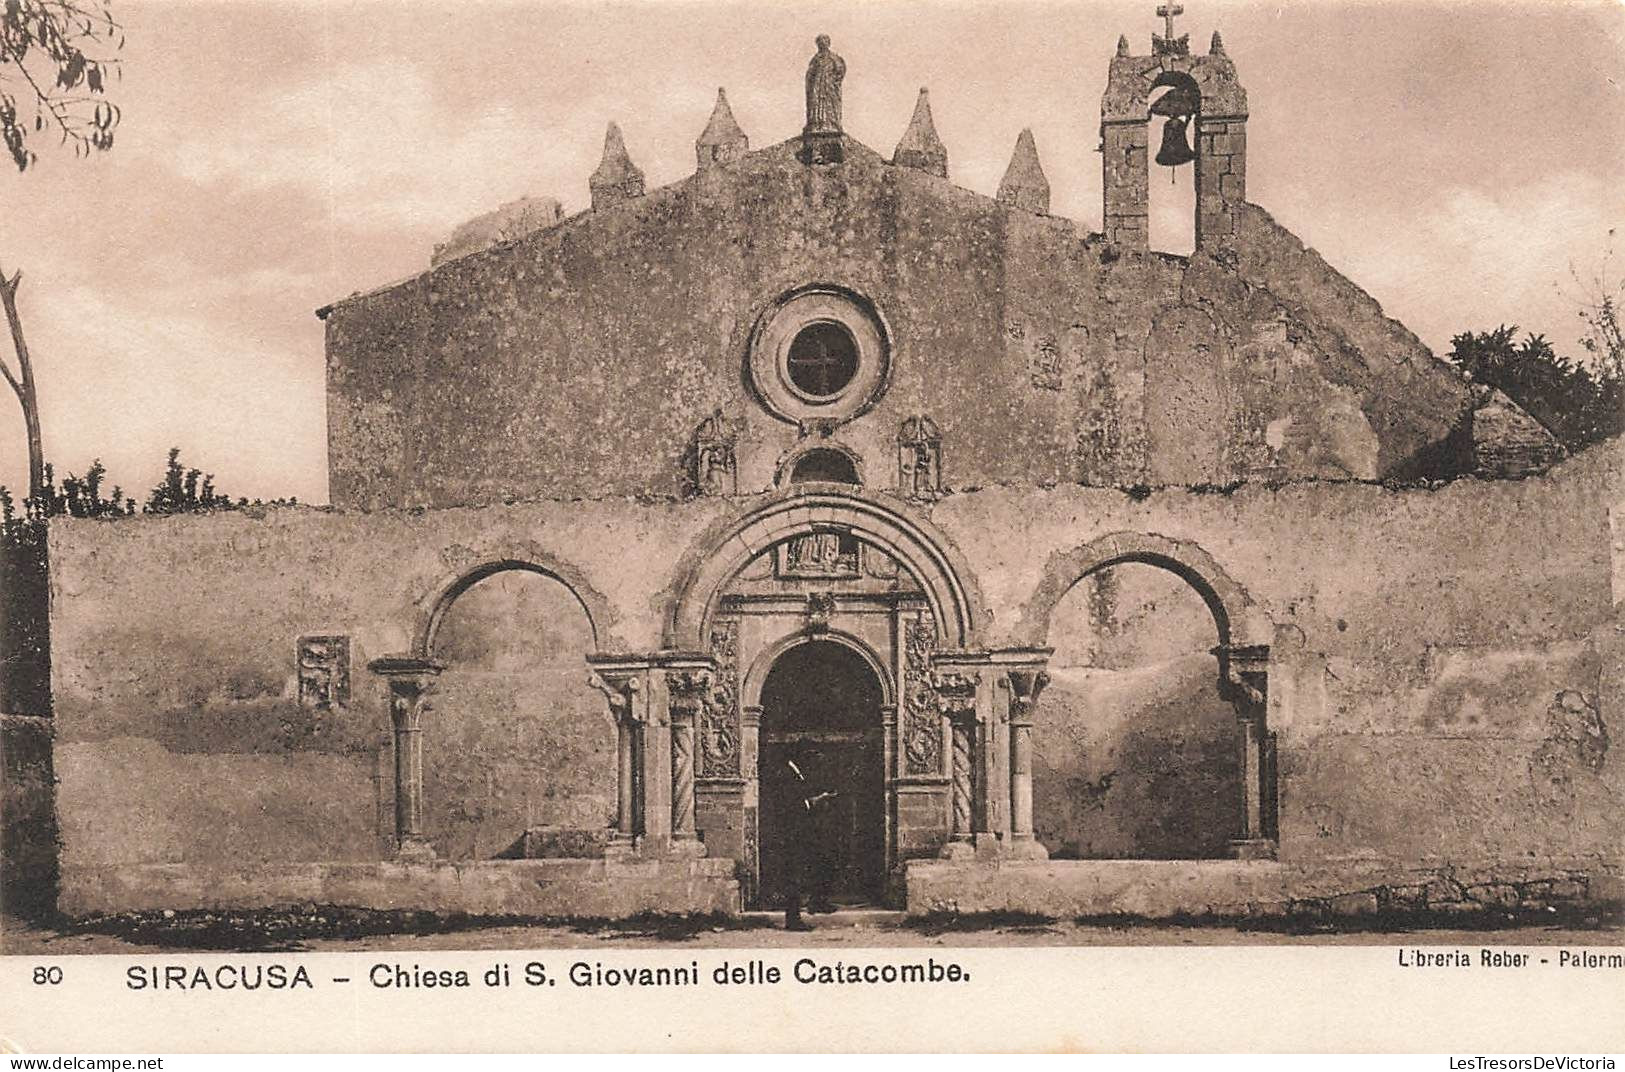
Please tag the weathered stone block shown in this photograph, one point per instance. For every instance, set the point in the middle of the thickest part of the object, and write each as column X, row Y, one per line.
column 1606, row 888
column 541, row 888
column 550, row 842
column 1403, row 898
column 1354, row 904
column 1507, row 442
column 1564, row 890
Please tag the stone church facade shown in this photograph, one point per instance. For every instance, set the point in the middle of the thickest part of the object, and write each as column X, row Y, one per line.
column 1094, row 580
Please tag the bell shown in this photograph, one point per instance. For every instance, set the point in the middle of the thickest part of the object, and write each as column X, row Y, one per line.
column 1180, row 100
column 1175, row 149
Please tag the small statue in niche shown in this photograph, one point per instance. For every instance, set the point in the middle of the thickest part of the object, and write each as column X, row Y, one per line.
column 919, row 458
column 716, row 471
column 824, row 75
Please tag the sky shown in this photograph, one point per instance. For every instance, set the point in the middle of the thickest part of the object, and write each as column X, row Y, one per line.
column 1456, row 159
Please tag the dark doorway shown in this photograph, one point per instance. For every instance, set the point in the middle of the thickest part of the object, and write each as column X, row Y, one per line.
column 821, row 708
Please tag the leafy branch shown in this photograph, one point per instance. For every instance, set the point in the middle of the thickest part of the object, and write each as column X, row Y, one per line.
column 56, row 61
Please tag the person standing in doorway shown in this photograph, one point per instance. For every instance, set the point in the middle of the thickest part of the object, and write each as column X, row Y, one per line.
column 808, row 810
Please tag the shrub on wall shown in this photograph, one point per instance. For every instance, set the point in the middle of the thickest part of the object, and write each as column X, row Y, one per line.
column 183, row 490
column 1579, row 405
column 25, row 647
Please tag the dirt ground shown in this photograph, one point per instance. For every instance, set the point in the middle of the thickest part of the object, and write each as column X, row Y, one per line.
column 315, row 933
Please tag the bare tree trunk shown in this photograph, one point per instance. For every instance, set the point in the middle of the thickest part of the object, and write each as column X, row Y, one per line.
column 24, row 386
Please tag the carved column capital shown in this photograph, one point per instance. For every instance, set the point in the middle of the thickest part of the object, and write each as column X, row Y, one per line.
column 956, row 692
column 621, row 691
column 689, row 677
column 1025, row 685
column 621, row 680
column 407, row 673
column 957, row 677
column 1022, row 672
column 410, row 679
column 689, row 688
column 1244, row 676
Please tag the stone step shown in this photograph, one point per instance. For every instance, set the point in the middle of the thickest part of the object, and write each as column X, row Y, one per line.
column 844, row 917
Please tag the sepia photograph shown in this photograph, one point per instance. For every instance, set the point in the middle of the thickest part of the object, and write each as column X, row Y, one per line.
column 666, row 480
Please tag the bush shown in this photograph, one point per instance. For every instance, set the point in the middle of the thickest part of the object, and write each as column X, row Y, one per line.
column 1577, row 404
column 183, row 490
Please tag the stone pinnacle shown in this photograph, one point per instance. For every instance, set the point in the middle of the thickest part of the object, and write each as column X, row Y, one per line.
column 617, row 178
column 722, row 141
column 1217, row 47
column 1024, row 185
column 920, row 148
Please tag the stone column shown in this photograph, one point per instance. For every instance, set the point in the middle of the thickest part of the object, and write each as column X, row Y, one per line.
column 687, row 690
column 622, row 683
column 750, row 736
column 685, row 686
column 1244, row 680
column 410, row 681
column 993, row 768
column 956, row 694
column 1025, row 685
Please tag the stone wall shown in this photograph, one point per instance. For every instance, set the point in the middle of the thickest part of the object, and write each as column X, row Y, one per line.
column 580, row 360
column 183, row 733
column 1445, row 681
column 28, row 835
column 1440, row 655
column 28, row 832
column 25, row 643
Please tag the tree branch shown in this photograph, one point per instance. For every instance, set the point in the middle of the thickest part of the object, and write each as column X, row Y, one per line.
column 9, row 286
column 27, row 395
column 11, row 379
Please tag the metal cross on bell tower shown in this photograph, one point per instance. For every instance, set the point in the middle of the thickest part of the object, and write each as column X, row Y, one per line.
column 1167, row 13
column 1170, row 45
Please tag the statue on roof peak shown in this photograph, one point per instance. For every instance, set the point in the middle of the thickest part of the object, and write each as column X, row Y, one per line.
column 824, row 76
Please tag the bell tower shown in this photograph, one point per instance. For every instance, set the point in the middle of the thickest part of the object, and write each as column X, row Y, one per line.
column 1206, row 84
